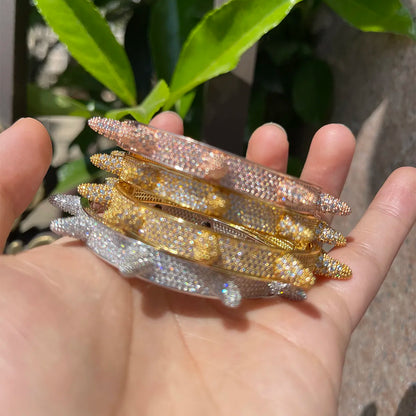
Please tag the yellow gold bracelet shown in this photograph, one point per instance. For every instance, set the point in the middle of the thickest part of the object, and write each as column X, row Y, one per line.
column 266, row 220
column 135, row 259
column 196, row 219
column 196, row 243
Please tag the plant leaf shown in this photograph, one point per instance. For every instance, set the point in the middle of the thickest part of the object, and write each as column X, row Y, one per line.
column 80, row 26
column 376, row 15
column 184, row 103
column 170, row 23
column 71, row 174
column 312, row 93
column 217, row 42
column 148, row 108
column 43, row 102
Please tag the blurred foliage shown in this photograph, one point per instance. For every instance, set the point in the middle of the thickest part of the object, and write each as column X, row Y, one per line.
column 172, row 47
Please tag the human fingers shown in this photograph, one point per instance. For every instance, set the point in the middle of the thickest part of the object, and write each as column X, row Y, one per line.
column 329, row 158
column 25, row 155
column 371, row 248
column 269, row 146
column 169, row 121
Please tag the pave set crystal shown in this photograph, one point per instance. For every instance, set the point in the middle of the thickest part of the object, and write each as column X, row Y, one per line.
column 174, row 188
column 206, row 162
column 134, row 258
column 189, row 217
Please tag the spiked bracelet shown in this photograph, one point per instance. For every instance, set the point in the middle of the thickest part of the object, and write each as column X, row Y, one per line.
column 170, row 187
column 193, row 242
column 211, row 164
column 136, row 259
column 192, row 218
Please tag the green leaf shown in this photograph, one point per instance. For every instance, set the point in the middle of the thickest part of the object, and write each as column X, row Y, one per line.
column 46, row 103
column 376, row 15
column 312, row 92
column 184, row 103
column 170, row 23
column 80, row 26
column 216, row 44
column 71, row 174
column 148, row 108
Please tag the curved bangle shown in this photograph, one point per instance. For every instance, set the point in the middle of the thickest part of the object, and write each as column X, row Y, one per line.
column 209, row 163
column 200, row 244
column 136, row 259
column 196, row 243
column 167, row 186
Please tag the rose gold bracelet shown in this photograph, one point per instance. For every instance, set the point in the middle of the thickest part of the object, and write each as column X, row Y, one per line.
column 211, row 164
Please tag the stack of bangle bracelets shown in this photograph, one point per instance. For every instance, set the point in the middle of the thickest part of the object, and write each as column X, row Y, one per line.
column 189, row 217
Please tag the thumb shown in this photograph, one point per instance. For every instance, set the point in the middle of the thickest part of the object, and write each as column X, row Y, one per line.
column 25, row 155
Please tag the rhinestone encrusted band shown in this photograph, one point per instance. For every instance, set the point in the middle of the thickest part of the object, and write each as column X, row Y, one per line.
column 170, row 187
column 198, row 243
column 211, row 164
column 192, row 218
column 136, row 259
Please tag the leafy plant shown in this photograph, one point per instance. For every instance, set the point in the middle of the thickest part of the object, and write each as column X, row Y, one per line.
column 183, row 43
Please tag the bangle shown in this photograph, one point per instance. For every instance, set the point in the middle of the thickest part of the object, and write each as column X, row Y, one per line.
column 196, row 243
column 192, row 218
column 171, row 187
column 200, row 244
column 211, row 164
column 136, row 259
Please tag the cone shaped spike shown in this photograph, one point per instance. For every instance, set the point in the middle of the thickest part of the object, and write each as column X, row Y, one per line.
column 109, row 163
column 332, row 268
column 328, row 235
column 333, row 205
column 100, row 194
column 67, row 203
column 106, row 127
column 111, row 181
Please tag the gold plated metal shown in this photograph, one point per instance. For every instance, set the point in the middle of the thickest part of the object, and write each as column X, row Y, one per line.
column 213, row 200
column 192, row 218
column 197, row 243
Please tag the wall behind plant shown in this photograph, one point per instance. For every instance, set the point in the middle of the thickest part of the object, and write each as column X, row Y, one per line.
column 375, row 95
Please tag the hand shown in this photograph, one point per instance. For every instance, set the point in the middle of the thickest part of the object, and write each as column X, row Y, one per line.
column 78, row 339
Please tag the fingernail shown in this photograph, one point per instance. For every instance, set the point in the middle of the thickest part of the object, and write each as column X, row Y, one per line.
column 272, row 123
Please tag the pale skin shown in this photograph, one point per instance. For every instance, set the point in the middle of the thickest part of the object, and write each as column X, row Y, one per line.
column 78, row 339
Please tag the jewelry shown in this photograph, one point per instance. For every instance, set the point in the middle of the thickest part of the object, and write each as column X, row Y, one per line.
column 193, row 242
column 136, row 259
column 195, row 219
column 211, row 164
column 170, row 187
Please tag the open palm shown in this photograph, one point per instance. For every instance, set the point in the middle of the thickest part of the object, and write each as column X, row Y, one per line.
column 78, row 339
